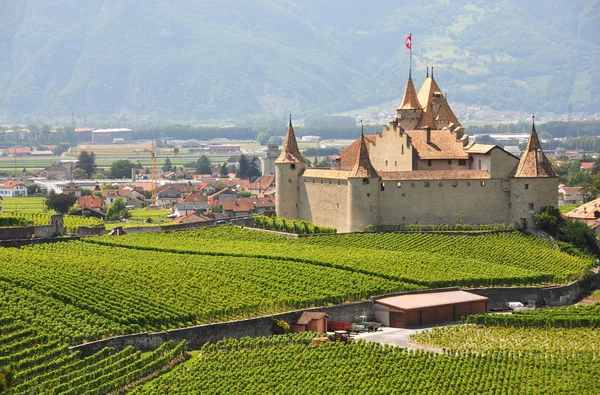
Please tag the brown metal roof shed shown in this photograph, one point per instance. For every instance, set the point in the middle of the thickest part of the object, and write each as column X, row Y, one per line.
column 422, row 309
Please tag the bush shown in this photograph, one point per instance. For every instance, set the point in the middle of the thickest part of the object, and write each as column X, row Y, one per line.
column 289, row 225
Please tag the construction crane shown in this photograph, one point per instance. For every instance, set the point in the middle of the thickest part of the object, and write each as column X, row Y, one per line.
column 153, row 186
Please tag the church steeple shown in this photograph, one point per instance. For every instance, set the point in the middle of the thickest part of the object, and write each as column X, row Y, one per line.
column 363, row 168
column 533, row 162
column 291, row 152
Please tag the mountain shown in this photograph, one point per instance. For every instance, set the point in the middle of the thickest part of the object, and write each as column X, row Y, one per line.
column 230, row 59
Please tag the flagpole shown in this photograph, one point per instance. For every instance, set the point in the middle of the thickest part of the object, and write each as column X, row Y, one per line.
column 410, row 69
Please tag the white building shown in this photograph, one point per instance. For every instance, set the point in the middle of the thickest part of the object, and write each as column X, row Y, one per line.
column 12, row 189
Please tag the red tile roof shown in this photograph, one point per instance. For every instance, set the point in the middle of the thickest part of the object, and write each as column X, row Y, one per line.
column 587, row 165
column 427, row 175
column 91, row 201
column 238, row 206
column 348, row 155
column 264, row 182
column 533, row 162
column 409, row 99
column 194, row 197
column 10, row 184
column 290, row 152
column 308, row 316
column 442, row 145
column 362, row 166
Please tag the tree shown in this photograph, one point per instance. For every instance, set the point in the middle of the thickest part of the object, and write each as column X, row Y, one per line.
column 549, row 219
column 591, row 190
column 87, row 162
column 79, row 174
column 224, row 172
column 203, row 165
column 263, row 138
column 244, row 193
column 254, row 167
column 121, row 168
column 167, row 166
column 242, row 170
column 86, row 192
column 60, row 202
column 117, row 211
column 216, row 209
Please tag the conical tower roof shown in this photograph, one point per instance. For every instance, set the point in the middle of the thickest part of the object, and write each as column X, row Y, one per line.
column 534, row 163
column 290, row 152
column 409, row 99
column 363, row 167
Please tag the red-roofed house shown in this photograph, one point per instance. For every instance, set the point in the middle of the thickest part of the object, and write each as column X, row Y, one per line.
column 569, row 195
column 238, row 208
column 12, row 189
column 589, row 167
column 91, row 201
column 224, row 195
column 17, row 151
column 263, row 184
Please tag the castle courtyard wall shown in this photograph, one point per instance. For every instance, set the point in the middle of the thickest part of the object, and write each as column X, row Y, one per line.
column 441, row 202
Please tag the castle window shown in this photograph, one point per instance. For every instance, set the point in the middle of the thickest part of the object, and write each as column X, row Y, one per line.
column 365, row 181
column 402, row 149
column 426, row 184
column 526, row 186
column 313, row 180
column 440, row 184
column 482, row 183
column 368, row 195
column 290, row 180
column 338, row 182
column 412, row 184
column 382, row 186
column 429, row 162
column 293, row 166
column 462, row 162
column 395, row 163
column 455, row 184
column 329, row 182
column 337, row 205
column 449, row 161
column 468, row 183
column 321, row 181
column 386, row 162
column 399, row 184
column 509, row 205
column 530, row 206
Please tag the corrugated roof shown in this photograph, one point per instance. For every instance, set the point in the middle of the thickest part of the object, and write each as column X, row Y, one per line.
column 429, row 175
column 423, row 300
column 442, row 145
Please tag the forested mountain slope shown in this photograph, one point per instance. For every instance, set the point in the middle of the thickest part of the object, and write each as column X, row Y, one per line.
column 223, row 59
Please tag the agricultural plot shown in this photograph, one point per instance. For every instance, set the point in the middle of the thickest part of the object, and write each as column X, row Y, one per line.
column 426, row 260
column 285, row 365
column 71, row 222
column 25, row 205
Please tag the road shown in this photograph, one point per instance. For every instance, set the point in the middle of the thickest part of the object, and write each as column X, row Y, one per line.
column 394, row 336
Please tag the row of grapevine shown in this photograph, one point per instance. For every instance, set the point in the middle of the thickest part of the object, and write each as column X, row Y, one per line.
column 568, row 317
column 422, row 259
column 71, row 222
column 289, row 366
column 289, row 225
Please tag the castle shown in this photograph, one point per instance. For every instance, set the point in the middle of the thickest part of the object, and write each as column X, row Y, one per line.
column 421, row 169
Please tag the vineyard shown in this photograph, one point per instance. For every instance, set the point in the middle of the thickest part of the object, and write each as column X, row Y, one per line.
column 28, row 205
column 71, row 222
column 289, row 225
column 42, row 364
column 291, row 365
column 425, row 260
column 568, row 317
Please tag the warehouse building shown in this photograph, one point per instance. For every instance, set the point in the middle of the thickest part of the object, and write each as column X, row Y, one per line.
column 108, row 136
column 426, row 309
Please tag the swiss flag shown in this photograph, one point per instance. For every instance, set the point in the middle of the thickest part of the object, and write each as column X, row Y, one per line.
column 408, row 41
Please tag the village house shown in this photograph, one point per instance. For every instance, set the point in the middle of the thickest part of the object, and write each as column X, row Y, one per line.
column 569, row 195
column 224, row 195
column 588, row 213
column 12, row 189
column 263, row 184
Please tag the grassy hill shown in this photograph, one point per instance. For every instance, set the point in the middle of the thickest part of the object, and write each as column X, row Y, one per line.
column 225, row 59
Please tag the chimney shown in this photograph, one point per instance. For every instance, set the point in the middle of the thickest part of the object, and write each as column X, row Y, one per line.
column 428, row 135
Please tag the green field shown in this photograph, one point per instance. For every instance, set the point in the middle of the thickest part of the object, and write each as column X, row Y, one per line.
column 287, row 365
column 29, row 205
column 56, row 295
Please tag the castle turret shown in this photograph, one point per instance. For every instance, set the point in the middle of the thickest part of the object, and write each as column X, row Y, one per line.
column 363, row 191
column 409, row 109
column 534, row 183
column 288, row 168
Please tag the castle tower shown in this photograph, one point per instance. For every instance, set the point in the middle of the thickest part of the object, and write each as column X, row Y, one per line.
column 363, row 191
column 409, row 109
column 534, row 183
column 288, row 167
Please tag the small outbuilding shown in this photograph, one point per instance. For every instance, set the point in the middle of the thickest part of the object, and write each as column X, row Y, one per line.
column 312, row 321
column 424, row 309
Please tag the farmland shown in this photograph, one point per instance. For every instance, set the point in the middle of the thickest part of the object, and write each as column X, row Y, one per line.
column 56, row 295
column 285, row 365
column 426, row 260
